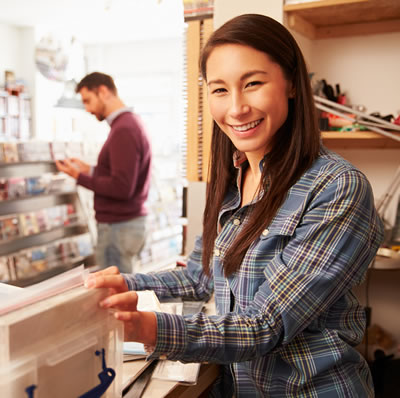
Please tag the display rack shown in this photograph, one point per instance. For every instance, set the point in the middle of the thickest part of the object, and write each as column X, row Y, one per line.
column 164, row 243
column 15, row 116
column 43, row 225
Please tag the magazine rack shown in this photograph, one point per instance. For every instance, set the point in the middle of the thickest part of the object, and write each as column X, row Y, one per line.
column 43, row 224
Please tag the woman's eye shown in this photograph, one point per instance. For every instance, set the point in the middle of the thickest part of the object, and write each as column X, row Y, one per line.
column 255, row 83
column 218, row 91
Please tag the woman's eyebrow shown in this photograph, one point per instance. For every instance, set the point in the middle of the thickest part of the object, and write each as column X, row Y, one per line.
column 252, row 73
column 243, row 77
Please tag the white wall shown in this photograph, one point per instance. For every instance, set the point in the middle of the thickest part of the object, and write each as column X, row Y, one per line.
column 9, row 50
column 367, row 68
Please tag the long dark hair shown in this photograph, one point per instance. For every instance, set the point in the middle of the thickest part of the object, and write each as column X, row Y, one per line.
column 294, row 146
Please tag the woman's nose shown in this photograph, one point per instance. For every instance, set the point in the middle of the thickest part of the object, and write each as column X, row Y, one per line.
column 239, row 106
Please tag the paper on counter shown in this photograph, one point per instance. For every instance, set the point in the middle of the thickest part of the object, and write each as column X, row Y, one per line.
column 134, row 348
column 177, row 371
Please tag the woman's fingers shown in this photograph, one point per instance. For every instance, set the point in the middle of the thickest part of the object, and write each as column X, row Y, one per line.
column 139, row 326
column 123, row 301
column 111, row 281
column 126, row 316
column 113, row 270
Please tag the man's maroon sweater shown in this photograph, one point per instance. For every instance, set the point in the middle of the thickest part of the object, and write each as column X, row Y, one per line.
column 121, row 179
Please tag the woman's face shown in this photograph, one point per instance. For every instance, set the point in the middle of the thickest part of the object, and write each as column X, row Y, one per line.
column 248, row 96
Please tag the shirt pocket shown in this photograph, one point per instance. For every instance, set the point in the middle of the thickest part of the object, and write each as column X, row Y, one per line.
column 275, row 237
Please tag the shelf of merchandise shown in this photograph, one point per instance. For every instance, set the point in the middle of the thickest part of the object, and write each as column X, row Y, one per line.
column 31, row 168
column 359, row 140
column 36, row 202
column 326, row 19
column 32, row 203
column 25, row 242
column 15, row 116
column 48, row 273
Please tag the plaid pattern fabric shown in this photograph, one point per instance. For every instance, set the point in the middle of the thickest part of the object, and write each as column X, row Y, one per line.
column 295, row 321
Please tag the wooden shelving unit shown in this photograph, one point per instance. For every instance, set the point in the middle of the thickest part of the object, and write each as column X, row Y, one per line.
column 359, row 140
column 339, row 18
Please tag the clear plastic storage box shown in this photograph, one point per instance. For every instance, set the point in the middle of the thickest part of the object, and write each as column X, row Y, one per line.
column 64, row 346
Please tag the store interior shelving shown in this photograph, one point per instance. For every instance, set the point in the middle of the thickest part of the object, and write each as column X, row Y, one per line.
column 359, row 139
column 339, row 18
column 43, row 226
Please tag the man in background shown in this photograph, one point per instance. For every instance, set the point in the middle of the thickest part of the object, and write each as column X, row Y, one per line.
column 120, row 180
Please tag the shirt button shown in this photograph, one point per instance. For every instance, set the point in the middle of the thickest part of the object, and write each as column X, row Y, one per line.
column 265, row 232
column 216, row 252
column 236, row 221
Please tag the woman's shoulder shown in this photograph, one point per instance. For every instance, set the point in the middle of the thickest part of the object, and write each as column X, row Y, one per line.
column 330, row 163
column 330, row 170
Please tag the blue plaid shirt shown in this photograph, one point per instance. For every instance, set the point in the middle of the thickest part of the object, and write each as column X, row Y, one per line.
column 287, row 321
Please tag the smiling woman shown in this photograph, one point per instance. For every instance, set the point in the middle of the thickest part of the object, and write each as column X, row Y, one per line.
column 289, row 229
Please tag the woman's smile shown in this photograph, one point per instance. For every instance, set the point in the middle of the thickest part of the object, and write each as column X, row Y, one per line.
column 246, row 130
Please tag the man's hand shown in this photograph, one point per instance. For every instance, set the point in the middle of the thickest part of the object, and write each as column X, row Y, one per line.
column 72, row 167
column 67, row 167
column 139, row 326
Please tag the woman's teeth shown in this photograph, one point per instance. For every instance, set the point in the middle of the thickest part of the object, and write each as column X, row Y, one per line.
column 247, row 126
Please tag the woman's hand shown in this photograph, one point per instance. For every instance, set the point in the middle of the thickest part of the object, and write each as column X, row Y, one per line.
column 140, row 326
column 109, row 278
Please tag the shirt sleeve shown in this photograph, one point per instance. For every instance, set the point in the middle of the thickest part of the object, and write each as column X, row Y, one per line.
column 125, row 157
column 327, row 255
column 189, row 282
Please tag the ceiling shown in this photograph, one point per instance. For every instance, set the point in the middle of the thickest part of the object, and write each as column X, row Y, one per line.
column 98, row 20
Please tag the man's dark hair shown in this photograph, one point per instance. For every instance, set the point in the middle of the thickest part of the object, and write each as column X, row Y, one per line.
column 94, row 80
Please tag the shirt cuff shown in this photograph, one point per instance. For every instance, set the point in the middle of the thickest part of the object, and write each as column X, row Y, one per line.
column 130, row 281
column 171, row 336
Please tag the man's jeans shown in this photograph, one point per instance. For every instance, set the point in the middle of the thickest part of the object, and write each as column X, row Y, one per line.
column 119, row 243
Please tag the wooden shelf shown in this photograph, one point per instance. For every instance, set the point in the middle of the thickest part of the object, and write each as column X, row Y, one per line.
column 339, row 18
column 358, row 140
